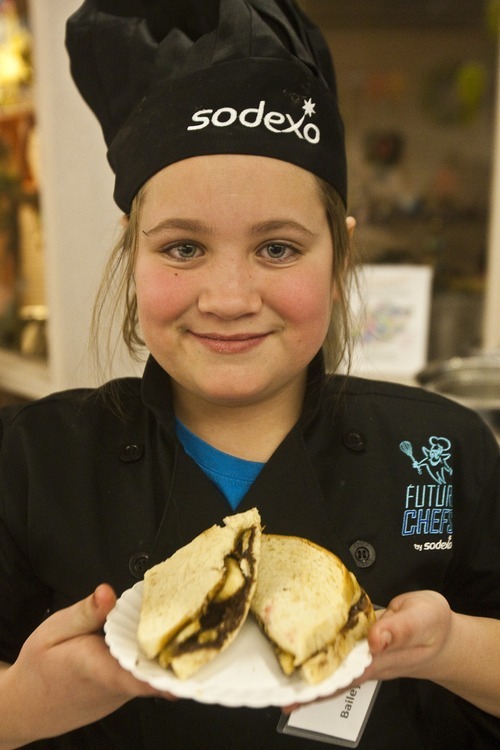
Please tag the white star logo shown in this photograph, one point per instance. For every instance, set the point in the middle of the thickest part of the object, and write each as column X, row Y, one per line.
column 308, row 107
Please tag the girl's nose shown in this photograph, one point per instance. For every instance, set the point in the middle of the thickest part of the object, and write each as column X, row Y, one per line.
column 229, row 290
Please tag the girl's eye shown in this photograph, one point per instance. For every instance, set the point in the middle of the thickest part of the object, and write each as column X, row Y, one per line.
column 183, row 251
column 278, row 251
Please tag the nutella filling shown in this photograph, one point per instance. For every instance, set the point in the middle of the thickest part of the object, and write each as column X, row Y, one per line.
column 224, row 612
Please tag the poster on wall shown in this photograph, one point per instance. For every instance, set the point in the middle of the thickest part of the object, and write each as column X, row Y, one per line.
column 391, row 309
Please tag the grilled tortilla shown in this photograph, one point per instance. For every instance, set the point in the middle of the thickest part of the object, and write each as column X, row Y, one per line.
column 195, row 602
column 309, row 605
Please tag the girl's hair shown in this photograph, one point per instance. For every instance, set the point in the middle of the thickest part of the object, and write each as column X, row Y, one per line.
column 116, row 300
column 337, row 346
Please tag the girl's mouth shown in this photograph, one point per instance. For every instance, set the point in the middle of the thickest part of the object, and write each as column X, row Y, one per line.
column 235, row 344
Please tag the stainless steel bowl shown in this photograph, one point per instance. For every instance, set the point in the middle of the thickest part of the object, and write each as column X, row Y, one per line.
column 473, row 381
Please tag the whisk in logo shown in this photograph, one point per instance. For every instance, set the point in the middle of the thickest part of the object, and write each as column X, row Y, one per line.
column 429, row 504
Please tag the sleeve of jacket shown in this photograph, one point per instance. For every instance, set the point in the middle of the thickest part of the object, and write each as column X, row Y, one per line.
column 24, row 599
column 473, row 580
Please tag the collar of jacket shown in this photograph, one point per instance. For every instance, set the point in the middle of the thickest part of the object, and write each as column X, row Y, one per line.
column 286, row 491
column 156, row 392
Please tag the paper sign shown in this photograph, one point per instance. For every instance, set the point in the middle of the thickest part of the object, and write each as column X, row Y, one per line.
column 392, row 312
column 338, row 721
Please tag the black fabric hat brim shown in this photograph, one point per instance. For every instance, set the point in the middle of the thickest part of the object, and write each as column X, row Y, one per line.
column 262, row 107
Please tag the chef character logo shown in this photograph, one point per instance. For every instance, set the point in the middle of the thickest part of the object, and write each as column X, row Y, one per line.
column 435, row 458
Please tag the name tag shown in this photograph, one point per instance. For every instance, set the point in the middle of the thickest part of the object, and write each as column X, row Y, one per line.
column 338, row 721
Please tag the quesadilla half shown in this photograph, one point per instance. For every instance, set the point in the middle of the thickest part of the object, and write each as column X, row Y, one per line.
column 309, row 606
column 195, row 602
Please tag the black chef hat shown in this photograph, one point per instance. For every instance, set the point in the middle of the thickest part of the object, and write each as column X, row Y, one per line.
column 171, row 79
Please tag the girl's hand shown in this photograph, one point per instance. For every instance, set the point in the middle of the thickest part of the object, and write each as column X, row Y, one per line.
column 410, row 637
column 406, row 638
column 65, row 676
column 419, row 636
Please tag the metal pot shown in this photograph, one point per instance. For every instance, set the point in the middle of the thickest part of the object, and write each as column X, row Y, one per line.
column 473, row 381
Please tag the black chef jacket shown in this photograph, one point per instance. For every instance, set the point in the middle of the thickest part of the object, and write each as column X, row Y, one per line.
column 401, row 484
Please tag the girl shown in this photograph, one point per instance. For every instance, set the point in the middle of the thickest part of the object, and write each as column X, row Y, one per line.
column 228, row 151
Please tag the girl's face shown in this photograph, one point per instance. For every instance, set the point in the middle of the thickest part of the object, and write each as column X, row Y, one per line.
column 234, row 277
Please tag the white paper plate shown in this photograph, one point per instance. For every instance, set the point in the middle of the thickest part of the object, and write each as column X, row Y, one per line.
column 245, row 674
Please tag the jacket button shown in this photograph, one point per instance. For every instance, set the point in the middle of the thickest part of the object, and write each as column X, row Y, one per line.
column 363, row 553
column 131, row 452
column 138, row 564
column 354, row 440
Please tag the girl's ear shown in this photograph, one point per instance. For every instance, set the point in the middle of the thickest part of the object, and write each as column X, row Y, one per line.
column 351, row 225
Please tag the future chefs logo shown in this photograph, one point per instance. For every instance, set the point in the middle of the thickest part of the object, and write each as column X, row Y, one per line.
column 429, row 504
column 254, row 117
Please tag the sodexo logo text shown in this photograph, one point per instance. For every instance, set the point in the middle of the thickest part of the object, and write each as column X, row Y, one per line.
column 253, row 117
